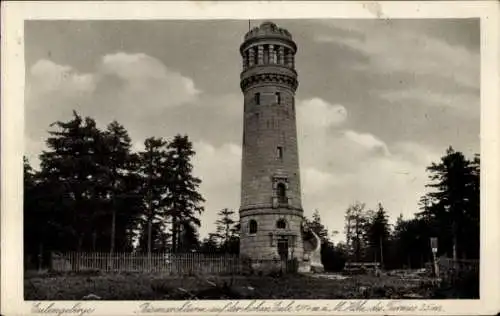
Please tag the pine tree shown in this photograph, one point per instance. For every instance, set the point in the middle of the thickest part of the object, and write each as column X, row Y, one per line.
column 378, row 233
column 156, row 176
column 225, row 227
column 183, row 197
column 454, row 203
column 34, row 223
column 355, row 228
column 318, row 228
column 117, row 160
column 209, row 244
column 70, row 171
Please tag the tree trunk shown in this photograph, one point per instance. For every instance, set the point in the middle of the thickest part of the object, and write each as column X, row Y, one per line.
column 113, row 222
column 113, row 232
column 454, row 245
column 150, row 207
column 174, row 234
column 40, row 257
column 94, row 237
column 79, row 243
column 381, row 254
column 150, row 226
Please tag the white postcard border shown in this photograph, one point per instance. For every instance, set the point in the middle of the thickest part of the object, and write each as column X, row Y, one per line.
column 12, row 122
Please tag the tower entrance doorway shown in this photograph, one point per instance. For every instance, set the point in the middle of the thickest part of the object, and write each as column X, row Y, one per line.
column 283, row 249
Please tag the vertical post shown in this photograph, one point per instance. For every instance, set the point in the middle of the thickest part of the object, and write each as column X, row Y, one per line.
column 281, row 55
column 244, row 59
column 251, row 56
column 288, row 57
column 271, row 54
column 436, row 266
column 260, row 54
column 434, row 248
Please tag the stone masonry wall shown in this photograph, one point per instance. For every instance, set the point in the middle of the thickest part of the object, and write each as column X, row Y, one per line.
column 267, row 126
column 260, row 246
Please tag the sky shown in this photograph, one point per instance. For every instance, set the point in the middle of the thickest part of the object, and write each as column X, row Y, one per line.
column 378, row 100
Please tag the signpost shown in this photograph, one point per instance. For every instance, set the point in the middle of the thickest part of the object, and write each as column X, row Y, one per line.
column 434, row 248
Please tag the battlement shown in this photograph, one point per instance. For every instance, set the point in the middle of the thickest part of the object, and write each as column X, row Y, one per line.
column 268, row 49
column 267, row 29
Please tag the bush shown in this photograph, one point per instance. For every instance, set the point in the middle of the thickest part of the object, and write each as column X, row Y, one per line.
column 332, row 258
column 461, row 285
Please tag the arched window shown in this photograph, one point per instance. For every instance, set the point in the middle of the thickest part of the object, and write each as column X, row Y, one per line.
column 252, row 226
column 282, row 193
column 281, row 224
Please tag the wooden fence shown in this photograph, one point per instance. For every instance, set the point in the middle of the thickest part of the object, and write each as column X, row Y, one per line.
column 461, row 265
column 184, row 263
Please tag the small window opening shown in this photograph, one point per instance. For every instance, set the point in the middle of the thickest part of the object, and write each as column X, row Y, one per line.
column 266, row 54
column 281, row 224
column 257, row 98
column 282, row 199
column 280, row 152
column 252, row 226
column 278, row 98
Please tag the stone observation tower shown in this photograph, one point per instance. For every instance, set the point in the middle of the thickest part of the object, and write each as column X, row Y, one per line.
column 271, row 215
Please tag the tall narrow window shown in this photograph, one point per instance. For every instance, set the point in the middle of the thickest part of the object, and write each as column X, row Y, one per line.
column 278, row 97
column 280, row 152
column 252, row 226
column 282, row 199
column 257, row 98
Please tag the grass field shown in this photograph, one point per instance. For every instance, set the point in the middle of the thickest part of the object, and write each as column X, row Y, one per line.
column 142, row 286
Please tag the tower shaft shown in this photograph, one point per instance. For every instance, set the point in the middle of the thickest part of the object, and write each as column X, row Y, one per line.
column 271, row 207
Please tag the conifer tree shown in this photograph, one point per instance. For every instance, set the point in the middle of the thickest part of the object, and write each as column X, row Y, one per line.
column 71, row 172
column 184, row 200
column 225, row 227
column 317, row 227
column 118, row 164
column 378, row 233
column 355, row 229
column 454, row 202
column 156, row 176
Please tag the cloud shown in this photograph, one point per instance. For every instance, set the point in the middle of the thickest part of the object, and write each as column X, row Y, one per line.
column 219, row 167
column 134, row 89
column 136, row 80
column 465, row 104
column 396, row 180
column 147, row 80
column 317, row 112
column 412, row 63
column 48, row 77
column 367, row 141
column 410, row 50
column 51, row 77
column 341, row 165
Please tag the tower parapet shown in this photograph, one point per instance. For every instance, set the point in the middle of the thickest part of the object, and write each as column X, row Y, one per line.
column 268, row 55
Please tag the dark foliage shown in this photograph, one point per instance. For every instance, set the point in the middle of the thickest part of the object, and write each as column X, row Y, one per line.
column 93, row 193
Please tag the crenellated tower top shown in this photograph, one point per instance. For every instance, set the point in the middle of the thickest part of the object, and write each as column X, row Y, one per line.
column 268, row 54
column 267, row 29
